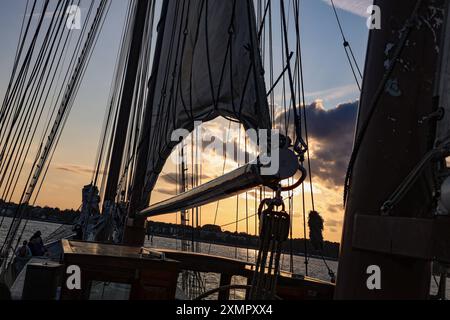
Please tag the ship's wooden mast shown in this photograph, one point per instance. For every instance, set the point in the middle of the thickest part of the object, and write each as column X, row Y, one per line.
column 134, row 232
column 393, row 142
column 126, row 100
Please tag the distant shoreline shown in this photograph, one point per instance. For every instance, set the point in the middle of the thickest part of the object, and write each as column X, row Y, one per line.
column 166, row 236
column 65, row 223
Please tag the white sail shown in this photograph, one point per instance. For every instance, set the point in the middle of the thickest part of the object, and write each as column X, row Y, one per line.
column 209, row 66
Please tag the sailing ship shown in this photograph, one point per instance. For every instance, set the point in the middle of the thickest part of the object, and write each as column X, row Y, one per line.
column 208, row 59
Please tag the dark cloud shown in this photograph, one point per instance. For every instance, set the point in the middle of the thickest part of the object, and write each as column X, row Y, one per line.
column 73, row 168
column 334, row 131
column 171, row 177
column 232, row 149
column 331, row 132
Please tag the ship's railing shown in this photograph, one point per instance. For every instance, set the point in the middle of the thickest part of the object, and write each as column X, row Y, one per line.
column 290, row 286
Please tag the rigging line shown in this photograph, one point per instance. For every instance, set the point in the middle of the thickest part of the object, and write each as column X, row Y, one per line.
column 347, row 46
column 208, row 56
column 34, row 99
column 176, row 84
column 162, row 126
column 58, row 85
column 285, row 61
column 284, row 95
column 192, row 186
column 27, row 60
column 36, row 124
column 246, row 194
column 291, row 229
column 299, row 139
column 108, row 115
column 15, row 116
column 254, row 58
column 223, row 172
column 237, row 196
column 20, row 44
column 180, row 89
column 146, row 73
column 280, row 77
column 115, row 99
column 301, row 82
column 345, row 42
column 173, row 99
column 86, row 23
column 128, row 154
column 256, row 220
column 192, row 65
column 16, row 62
column 64, row 82
column 262, row 24
column 233, row 105
column 228, row 51
column 353, row 71
column 97, row 26
column 238, row 221
column 36, row 89
column 377, row 97
column 57, row 142
column 21, row 31
column 16, row 211
column 305, row 127
column 70, row 70
column 271, row 62
column 105, row 10
column 30, row 142
column 26, row 120
column 62, row 117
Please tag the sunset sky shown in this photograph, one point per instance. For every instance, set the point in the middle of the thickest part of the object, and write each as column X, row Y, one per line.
column 331, row 95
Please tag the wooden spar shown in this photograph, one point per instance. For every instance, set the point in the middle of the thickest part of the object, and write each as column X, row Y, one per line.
column 126, row 100
column 134, row 232
column 394, row 142
column 235, row 182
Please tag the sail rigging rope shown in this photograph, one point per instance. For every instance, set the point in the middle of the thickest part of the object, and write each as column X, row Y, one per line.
column 348, row 50
column 34, row 116
column 47, row 149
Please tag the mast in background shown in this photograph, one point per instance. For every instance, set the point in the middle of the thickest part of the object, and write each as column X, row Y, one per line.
column 394, row 142
column 134, row 232
column 126, row 101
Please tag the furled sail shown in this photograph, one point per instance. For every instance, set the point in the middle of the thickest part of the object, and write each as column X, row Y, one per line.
column 209, row 66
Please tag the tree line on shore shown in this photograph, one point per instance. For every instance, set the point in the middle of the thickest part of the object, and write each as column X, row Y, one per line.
column 46, row 214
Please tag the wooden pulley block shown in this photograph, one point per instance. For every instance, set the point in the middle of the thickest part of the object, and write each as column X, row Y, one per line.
column 276, row 223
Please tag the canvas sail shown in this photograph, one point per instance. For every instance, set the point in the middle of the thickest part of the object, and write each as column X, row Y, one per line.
column 209, row 66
